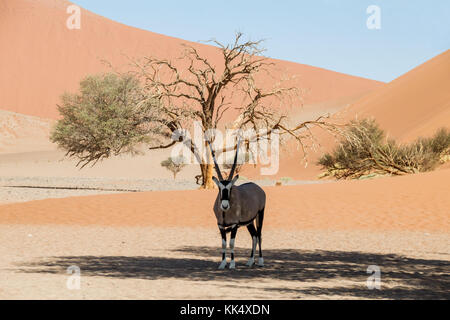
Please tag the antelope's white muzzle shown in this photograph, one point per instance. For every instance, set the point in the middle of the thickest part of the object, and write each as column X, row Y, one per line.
column 225, row 205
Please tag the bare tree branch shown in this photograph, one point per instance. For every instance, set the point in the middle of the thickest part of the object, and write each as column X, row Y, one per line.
column 194, row 88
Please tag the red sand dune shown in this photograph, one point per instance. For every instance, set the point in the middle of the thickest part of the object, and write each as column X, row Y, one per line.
column 415, row 202
column 413, row 105
column 41, row 58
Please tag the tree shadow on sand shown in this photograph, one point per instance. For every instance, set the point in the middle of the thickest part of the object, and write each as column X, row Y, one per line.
column 411, row 278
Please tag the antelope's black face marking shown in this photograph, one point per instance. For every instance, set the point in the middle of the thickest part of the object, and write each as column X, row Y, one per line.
column 225, row 192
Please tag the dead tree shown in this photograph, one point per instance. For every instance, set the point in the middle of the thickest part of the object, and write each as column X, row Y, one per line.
column 192, row 88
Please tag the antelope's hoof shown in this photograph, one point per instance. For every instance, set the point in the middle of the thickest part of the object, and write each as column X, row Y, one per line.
column 223, row 265
column 260, row 262
column 232, row 265
column 251, row 262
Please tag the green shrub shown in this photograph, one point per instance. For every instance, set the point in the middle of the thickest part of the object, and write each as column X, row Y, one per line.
column 174, row 165
column 439, row 143
column 109, row 116
column 364, row 151
column 285, row 180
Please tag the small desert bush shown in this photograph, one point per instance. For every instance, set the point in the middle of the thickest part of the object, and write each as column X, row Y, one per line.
column 439, row 144
column 285, row 180
column 174, row 165
column 366, row 151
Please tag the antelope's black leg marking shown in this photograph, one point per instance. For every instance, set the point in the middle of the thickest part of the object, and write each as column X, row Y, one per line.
column 259, row 222
column 232, row 239
column 224, row 248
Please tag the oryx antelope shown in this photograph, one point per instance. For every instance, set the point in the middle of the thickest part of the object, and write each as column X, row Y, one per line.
column 238, row 206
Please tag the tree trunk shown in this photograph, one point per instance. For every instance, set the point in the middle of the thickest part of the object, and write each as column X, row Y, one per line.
column 207, row 174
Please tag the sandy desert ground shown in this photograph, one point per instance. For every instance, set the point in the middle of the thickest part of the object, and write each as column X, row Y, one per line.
column 135, row 233
column 319, row 241
column 181, row 263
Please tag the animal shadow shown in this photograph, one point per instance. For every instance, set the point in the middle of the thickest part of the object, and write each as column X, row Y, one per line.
column 412, row 278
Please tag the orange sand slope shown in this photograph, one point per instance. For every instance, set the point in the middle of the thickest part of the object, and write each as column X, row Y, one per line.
column 22, row 133
column 41, row 58
column 416, row 202
column 413, row 105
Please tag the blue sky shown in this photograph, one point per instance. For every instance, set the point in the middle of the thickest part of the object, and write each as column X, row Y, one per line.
column 331, row 34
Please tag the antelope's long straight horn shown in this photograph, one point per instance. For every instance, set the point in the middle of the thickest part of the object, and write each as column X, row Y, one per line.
column 235, row 160
column 219, row 175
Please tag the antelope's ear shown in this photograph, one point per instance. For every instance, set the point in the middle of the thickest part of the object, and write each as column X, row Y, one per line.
column 216, row 181
column 234, row 179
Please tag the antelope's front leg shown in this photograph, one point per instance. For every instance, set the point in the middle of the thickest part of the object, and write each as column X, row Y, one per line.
column 233, row 236
column 223, row 264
